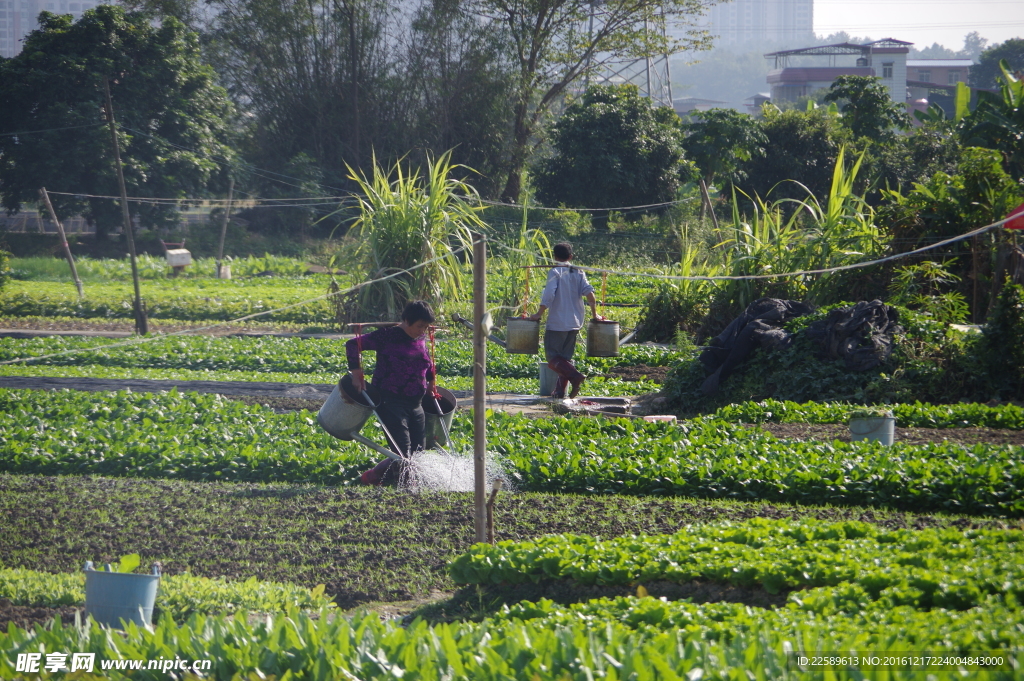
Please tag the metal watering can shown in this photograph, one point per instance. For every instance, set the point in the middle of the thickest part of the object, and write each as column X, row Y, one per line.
column 346, row 411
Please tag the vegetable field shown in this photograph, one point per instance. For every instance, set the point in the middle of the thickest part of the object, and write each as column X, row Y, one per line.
column 710, row 548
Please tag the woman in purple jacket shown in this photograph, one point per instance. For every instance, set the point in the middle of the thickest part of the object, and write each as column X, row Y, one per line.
column 403, row 375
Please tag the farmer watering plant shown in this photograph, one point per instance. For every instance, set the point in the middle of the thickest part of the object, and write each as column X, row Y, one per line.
column 563, row 298
column 403, row 375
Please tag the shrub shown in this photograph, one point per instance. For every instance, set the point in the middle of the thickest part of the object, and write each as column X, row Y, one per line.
column 1001, row 351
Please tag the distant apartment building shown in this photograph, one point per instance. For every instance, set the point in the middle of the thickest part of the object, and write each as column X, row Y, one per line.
column 885, row 59
column 741, row 22
column 18, row 18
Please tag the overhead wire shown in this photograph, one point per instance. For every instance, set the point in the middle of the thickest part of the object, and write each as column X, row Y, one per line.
column 778, row 275
column 33, row 132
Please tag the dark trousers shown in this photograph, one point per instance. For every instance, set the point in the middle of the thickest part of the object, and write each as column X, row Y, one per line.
column 404, row 420
column 560, row 344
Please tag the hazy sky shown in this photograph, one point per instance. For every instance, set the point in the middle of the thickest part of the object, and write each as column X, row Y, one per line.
column 922, row 22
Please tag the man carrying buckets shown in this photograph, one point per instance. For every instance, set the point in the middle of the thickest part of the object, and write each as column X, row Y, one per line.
column 563, row 294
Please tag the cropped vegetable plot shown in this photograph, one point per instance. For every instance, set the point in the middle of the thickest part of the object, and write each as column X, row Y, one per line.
column 363, row 647
column 204, row 437
column 915, row 415
column 943, row 590
column 178, row 595
column 193, row 299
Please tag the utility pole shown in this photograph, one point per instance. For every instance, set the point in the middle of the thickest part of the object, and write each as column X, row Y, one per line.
column 224, row 225
column 64, row 242
column 141, row 322
column 480, row 385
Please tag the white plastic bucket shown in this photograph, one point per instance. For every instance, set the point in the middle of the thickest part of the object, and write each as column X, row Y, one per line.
column 874, row 429
column 603, row 338
column 548, row 379
column 343, row 415
column 436, row 425
column 114, row 596
column 522, row 336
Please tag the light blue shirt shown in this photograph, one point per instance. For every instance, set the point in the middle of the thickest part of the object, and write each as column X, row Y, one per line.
column 563, row 296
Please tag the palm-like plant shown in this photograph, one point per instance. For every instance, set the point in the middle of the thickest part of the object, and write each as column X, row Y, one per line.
column 407, row 220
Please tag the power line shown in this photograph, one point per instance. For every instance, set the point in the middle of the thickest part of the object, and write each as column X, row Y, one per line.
column 742, row 277
column 33, row 132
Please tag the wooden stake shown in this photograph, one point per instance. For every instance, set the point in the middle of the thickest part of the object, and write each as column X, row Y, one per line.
column 479, row 384
column 224, row 224
column 141, row 322
column 490, row 510
column 64, row 243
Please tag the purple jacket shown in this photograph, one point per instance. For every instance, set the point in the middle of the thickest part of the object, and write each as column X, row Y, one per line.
column 403, row 365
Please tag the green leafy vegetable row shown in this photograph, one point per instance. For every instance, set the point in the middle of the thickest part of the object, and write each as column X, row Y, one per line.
column 993, row 626
column 924, row 569
column 454, row 356
column 150, row 267
column 193, row 299
column 204, row 437
column 915, row 415
column 178, row 595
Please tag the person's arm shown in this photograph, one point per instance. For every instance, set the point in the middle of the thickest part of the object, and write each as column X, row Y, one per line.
column 592, row 299
column 540, row 313
column 588, row 293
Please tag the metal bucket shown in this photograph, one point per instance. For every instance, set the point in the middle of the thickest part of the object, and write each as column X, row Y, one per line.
column 114, row 596
column 874, row 428
column 437, row 424
column 603, row 338
column 342, row 415
column 548, row 379
column 522, row 336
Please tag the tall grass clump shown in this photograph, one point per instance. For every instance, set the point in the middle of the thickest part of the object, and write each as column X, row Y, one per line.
column 407, row 218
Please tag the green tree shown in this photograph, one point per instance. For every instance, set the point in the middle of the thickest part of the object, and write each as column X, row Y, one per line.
column 987, row 72
column 172, row 116
column 612, row 148
column 459, row 71
column 720, row 140
column 868, row 110
column 316, row 78
column 555, row 43
column 801, row 148
column 997, row 122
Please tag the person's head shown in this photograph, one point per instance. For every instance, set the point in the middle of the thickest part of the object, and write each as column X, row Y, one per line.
column 417, row 318
column 563, row 252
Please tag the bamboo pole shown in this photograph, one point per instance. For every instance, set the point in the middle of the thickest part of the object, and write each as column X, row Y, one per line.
column 479, row 385
column 707, row 203
column 141, row 323
column 63, row 242
column 224, row 225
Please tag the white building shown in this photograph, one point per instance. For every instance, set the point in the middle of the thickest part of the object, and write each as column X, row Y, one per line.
column 18, row 19
column 741, row 22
